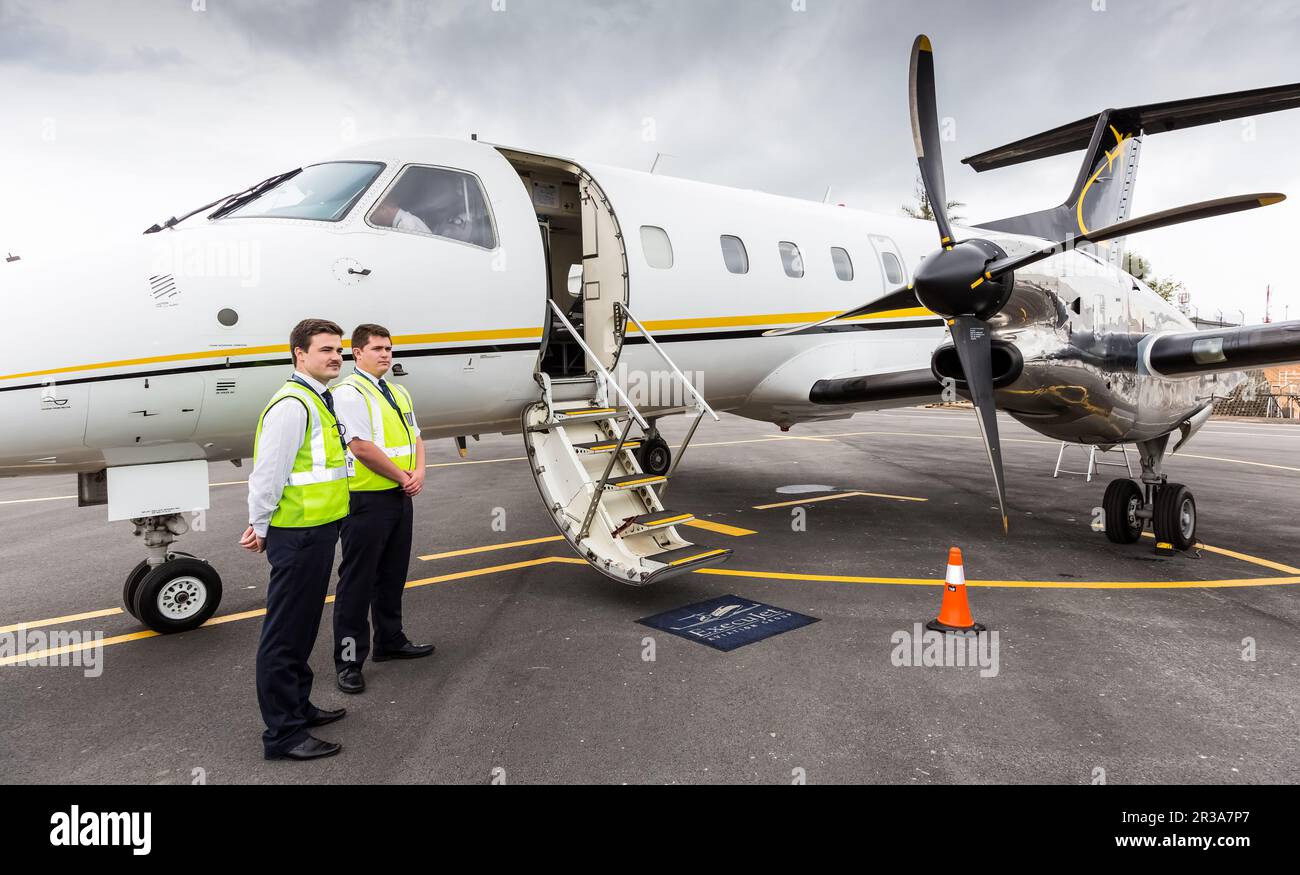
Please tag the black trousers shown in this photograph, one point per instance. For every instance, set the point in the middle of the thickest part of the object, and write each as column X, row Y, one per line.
column 301, row 560
column 372, row 575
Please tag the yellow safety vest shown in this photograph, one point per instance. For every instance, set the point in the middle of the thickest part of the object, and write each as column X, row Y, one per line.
column 317, row 491
column 393, row 431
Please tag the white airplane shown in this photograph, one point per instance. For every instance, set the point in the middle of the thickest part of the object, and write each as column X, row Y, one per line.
column 550, row 297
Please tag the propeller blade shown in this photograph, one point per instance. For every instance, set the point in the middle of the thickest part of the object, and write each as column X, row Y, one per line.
column 1162, row 219
column 971, row 336
column 925, row 133
column 901, row 299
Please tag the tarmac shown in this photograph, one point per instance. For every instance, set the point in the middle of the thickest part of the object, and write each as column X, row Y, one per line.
column 1114, row 664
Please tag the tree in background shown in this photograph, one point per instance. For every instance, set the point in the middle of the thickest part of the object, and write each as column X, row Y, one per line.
column 922, row 210
column 1139, row 267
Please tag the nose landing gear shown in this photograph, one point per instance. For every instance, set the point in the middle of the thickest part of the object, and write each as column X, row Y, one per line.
column 171, row 591
column 1170, row 508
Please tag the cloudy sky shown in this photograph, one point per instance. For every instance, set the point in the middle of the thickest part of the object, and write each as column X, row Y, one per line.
column 116, row 115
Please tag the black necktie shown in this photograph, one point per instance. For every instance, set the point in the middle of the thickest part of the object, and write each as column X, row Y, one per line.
column 388, row 393
column 328, row 397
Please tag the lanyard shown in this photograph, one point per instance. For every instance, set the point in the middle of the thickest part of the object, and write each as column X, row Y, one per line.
column 388, row 396
column 338, row 426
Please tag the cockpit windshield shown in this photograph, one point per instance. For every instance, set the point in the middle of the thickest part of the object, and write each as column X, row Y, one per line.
column 324, row 192
column 439, row 202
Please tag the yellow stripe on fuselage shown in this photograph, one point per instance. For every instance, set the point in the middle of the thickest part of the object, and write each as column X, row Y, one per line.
column 283, row 349
column 766, row 319
column 757, row 320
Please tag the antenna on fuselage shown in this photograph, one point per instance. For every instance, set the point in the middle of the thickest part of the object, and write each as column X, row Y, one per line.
column 659, row 155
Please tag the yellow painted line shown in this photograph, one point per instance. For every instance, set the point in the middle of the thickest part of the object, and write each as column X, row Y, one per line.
column 1025, row 584
column 894, row 497
column 245, row 615
column 479, row 572
column 19, row 659
column 283, row 349
column 721, row 528
column 1276, row 566
column 490, row 547
column 54, row 621
column 1294, row 577
column 839, row 495
column 1244, row 557
column 804, row 501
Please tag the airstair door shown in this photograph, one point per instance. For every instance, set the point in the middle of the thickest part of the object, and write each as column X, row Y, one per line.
column 604, row 276
column 582, row 454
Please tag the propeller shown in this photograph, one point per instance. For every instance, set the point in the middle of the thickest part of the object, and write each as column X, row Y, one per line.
column 968, row 282
column 944, row 279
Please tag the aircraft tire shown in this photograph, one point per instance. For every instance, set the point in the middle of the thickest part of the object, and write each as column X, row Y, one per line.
column 177, row 596
column 1175, row 516
column 1122, row 499
column 655, row 456
column 132, row 584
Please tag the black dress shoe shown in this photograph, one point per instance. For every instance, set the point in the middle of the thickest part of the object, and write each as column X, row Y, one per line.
column 322, row 716
column 351, row 680
column 310, row 748
column 406, row 651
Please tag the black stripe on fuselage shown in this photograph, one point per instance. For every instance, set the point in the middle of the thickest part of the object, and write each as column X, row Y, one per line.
column 399, row 355
column 758, row 332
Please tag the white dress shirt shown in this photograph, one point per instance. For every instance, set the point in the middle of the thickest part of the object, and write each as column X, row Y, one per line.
column 283, row 428
column 351, row 409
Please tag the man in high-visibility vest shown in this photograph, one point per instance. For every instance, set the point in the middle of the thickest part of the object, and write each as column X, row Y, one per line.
column 385, row 470
column 297, row 497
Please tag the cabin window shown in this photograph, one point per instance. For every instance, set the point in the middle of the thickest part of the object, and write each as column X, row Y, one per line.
column 843, row 264
column 657, row 247
column 893, row 270
column 437, row 202
column 322, row 192
column 734, row 255
column 791, row 260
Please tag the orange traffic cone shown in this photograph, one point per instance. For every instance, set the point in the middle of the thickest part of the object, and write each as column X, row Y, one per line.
column 954, row 613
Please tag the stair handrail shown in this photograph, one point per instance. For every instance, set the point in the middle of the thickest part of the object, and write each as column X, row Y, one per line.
column 700, row 403
column 609, row 379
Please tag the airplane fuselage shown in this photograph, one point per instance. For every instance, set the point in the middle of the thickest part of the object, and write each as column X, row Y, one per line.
column 168, row 346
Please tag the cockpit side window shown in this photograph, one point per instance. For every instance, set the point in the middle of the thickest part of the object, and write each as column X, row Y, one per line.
column 322, row 192
column 438, row 202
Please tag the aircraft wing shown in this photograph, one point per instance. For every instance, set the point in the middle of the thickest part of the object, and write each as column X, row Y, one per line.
column 1223, row 349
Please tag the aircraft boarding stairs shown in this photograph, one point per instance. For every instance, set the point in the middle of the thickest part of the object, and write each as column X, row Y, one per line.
column 583, row 460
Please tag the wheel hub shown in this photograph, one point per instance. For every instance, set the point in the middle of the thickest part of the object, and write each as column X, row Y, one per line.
column 182, row 598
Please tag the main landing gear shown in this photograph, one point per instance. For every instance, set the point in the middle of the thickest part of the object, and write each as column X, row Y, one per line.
column 1168, row 507
column 170, row 591
column 654, row 456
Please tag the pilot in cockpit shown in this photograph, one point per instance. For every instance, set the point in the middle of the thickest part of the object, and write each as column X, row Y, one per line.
column 388, row 214
column 450, row 213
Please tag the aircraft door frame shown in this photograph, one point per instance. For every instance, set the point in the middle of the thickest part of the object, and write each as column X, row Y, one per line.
column 604, row 274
